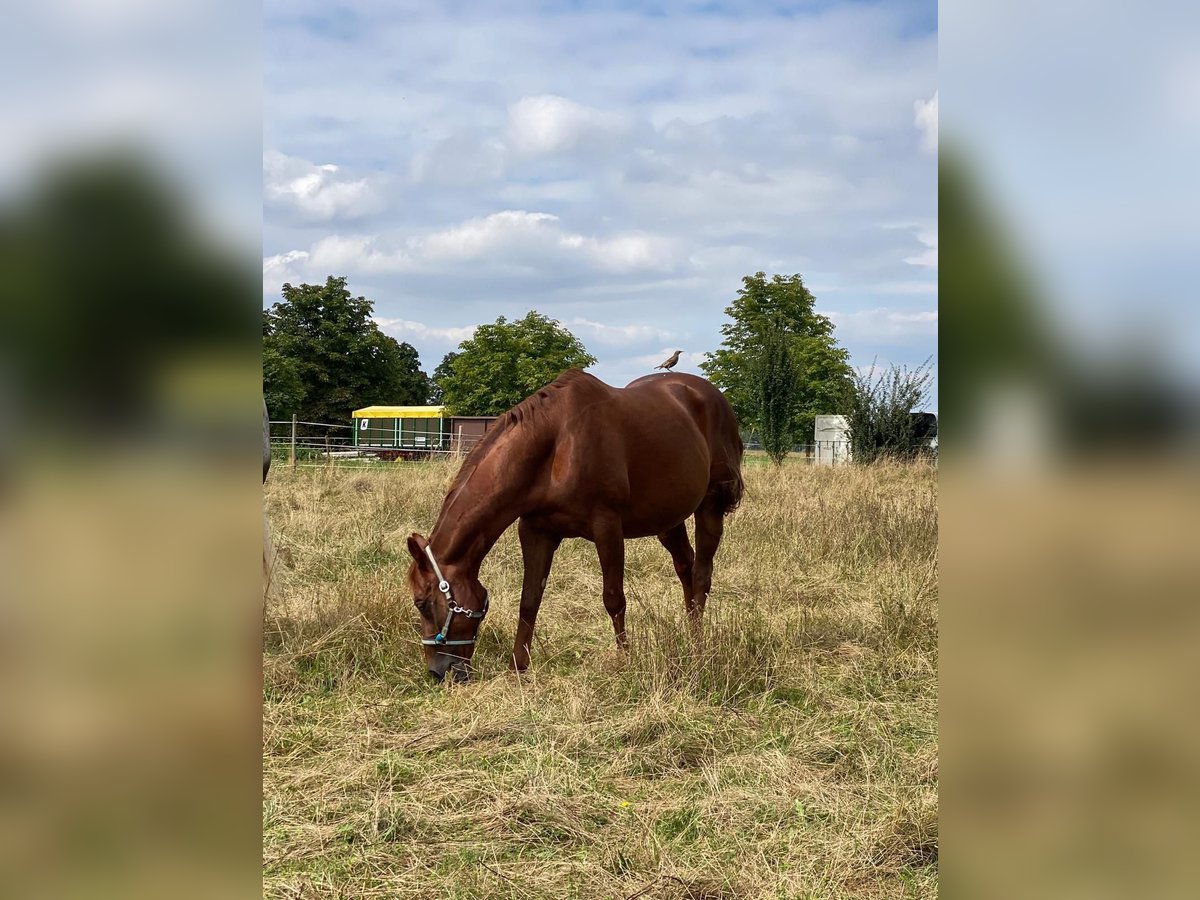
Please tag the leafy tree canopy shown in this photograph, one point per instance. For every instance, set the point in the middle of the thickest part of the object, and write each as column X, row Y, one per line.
column 777, row 391
column 436, row 395
column 323, row 339
column 283, row 391
column 505, row 362
column 823, row 373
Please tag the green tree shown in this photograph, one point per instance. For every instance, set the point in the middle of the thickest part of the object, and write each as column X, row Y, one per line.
column 505, row 362
column 880, row 416
column 340, row 357
column 283, row 391
column 437, row 395
column 412, row 380
column 777, row 395
column 824, row 377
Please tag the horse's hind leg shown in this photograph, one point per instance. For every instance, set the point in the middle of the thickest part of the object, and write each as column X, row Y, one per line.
column 710, row 524
column 677, row 544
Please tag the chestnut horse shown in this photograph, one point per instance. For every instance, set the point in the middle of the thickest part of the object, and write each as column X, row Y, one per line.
column 579, row 459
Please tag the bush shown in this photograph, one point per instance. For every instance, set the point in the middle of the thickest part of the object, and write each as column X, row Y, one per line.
column 881, row 423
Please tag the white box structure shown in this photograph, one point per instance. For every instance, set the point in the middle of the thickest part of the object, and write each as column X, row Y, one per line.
column 831, row 435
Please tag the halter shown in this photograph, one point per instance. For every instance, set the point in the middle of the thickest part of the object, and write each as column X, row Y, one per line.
column 439, row 639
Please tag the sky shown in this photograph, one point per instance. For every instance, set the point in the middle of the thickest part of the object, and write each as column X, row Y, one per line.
column 616, row 166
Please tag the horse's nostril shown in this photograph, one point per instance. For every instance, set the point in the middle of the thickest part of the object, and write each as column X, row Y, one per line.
column 436, row 676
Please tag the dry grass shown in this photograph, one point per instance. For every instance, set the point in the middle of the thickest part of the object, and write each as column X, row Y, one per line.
column 791, row 754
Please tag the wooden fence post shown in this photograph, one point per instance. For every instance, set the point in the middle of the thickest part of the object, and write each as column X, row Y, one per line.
column 293, row 453
column 328, row 451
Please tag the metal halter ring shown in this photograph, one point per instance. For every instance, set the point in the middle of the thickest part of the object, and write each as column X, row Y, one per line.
column 439, row 640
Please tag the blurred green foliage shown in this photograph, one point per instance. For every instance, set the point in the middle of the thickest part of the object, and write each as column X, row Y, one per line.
column 113, row 288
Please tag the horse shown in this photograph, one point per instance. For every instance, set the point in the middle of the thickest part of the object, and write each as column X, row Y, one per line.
column 268, row 556
column 579, row 458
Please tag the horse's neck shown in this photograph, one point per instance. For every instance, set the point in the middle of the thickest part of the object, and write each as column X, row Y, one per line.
column 478, row 512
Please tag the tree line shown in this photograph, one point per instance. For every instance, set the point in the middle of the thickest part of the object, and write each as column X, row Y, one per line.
column 325, row 356
column 778, row 363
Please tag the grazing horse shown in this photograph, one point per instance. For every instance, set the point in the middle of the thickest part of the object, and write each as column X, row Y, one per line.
column 268, row 550
column 579, row 459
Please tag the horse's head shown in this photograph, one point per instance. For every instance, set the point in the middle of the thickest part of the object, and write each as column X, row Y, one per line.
column 451, row 604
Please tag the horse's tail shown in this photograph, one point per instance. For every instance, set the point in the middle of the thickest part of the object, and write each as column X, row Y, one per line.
column 728, row 492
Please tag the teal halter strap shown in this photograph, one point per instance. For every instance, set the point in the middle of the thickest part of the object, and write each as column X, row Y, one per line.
column 439, row 639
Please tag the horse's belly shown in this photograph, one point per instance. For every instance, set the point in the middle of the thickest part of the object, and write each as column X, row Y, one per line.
column 659, row 503
column 646, row 527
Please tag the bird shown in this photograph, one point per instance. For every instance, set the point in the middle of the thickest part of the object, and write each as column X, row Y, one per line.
column 669, row 363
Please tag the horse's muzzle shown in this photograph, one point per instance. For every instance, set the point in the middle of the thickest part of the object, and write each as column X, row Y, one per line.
column 457, row 669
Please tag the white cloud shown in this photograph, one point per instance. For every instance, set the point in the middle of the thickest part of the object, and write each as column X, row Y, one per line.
column 282, row 268
column 616, row 335
column 869, row 289
column 926, row 119
column 535, row 238
column 885, row 326
column 906, row 287
column 356, row 254
column 317, row 193
column 505, row 241
column 405, row 328
column 552, row 124
column 506, row 231
column 929, row 258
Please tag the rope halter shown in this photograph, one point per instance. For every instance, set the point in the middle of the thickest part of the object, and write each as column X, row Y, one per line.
column 440, row 639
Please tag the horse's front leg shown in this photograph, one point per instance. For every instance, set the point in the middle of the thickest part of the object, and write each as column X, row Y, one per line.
column 537, row 552
column 610, row 544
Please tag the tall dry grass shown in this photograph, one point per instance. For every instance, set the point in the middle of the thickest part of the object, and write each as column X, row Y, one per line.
column 791, row 752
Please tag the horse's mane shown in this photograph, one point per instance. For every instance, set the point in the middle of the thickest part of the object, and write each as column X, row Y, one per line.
column 533, row 411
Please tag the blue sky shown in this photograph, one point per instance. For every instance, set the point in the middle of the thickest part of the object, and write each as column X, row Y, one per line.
column 617, row 166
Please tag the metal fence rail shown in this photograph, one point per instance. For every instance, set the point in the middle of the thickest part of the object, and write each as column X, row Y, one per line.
column 338, row 443
column 827, row 453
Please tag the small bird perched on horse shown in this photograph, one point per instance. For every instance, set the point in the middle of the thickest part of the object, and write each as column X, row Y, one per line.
column 669, row 362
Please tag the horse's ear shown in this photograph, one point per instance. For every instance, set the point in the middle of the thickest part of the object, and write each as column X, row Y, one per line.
column 416, row 546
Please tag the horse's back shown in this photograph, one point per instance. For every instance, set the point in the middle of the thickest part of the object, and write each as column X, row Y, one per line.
column 700, row 399
column 661, row 406
column 652, row 452
column 712, row 416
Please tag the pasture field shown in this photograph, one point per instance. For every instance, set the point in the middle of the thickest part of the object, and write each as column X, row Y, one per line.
column 792, row 753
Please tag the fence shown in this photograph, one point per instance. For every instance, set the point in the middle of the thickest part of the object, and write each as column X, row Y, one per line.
column 337, row 443
column 296, row 441
column 825, row 453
